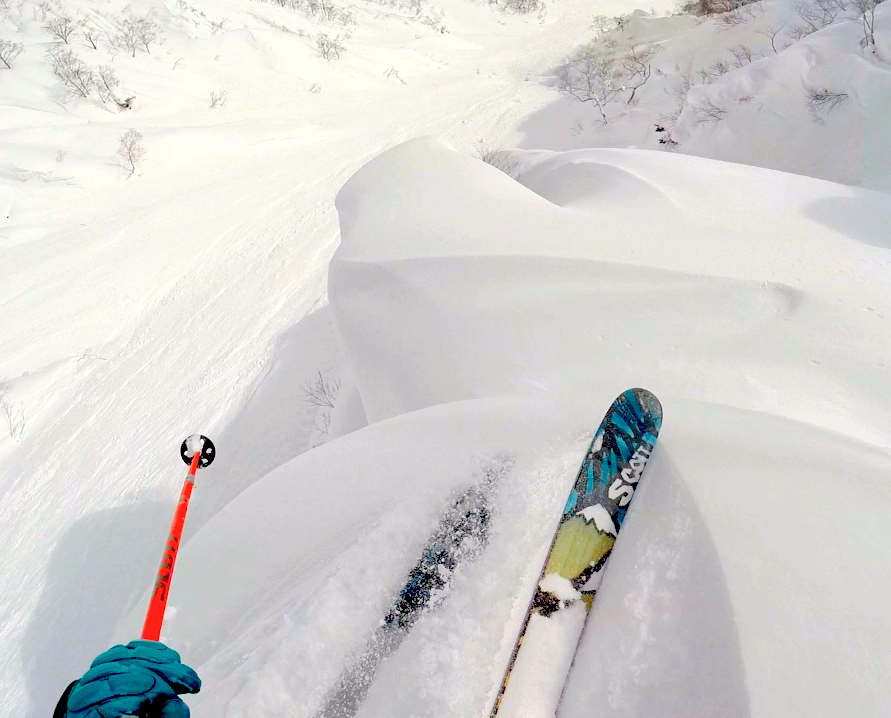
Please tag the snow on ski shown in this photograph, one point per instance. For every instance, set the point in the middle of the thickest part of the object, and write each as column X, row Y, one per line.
column 594, row 512
column 460, row 536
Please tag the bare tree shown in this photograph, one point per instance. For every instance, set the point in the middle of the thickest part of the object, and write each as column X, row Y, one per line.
column 867, row 10
column 9, row 51
column 771, row 34
column 61, row 27
column 74, row 73
column 321, row 392
column 106, row 83
column 636, row 63
column 219, row 99
column 329, row 47
column 815, row 15
column 714, row 71
column 822, row 102
column 131, row 149
column 603, row 24
column 147, row 31
column 328, row 10
column 592, row 76
column 91, row 34
column 128, row 36
column 138, row 32
column 707, row 111
column 742, row 55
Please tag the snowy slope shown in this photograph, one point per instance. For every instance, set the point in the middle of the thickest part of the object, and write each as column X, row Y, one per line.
column 193, row 296
column 135, row 311
column 481, row 320
column 764, row 115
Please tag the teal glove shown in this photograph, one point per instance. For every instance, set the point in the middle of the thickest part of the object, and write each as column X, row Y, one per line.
column 142, row 678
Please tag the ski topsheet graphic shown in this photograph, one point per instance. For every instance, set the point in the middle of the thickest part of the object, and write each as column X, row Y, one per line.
column 594, row 512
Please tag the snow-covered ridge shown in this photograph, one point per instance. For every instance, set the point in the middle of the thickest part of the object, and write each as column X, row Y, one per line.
column 472, row 318
column 771, row 371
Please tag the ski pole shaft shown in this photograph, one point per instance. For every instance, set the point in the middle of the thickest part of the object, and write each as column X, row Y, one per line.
column 151, row 630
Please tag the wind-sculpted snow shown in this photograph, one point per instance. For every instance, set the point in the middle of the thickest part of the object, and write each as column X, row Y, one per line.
column 453, row 282
column 480, row 320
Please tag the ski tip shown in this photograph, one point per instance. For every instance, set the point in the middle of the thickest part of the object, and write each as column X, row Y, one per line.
column 194, row 443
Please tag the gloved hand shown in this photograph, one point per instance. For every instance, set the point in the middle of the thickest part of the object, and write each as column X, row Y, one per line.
column 142, row 679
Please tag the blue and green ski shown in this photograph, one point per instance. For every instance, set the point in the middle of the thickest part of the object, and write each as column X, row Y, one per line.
column 583, row 541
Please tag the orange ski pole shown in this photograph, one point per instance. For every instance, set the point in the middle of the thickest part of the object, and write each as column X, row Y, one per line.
column 195, row 451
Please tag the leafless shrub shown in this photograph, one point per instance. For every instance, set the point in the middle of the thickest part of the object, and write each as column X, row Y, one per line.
column 394, row 73
column 327, row 9
column 733, row 19
column 822, row 102
column 603, row 24
column 592, row 75
column 500, row 159
column 321, row 392
column 138, row 32
column 106, row 83
column 74, row 73
column 61, row 155
column 41, row 10
column 708, row 112
column 127, row 37
column 131, row 150
column 742, row 55
column 347, row 17
column 9, row 51
column 218, row 26
column 61, row 27
column 219, row 99
column 709, row 7
column 771, row 33
column 523, row 7
column 329, row 47
column 815, row 15
column 91, row 35
column 433, row 22
column 636, row 64
column 147, row 31
column 714, row 71
column 316, row 88
column 15, row 418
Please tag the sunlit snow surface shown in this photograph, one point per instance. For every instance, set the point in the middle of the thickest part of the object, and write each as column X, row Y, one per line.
column 473, row 322
column 480, row 319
